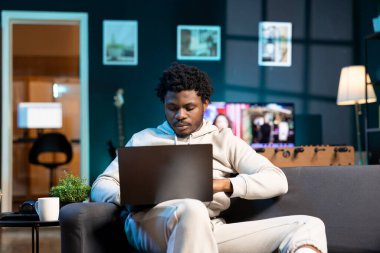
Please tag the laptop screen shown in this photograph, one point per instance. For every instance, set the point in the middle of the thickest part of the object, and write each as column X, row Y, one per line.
column 153, row 174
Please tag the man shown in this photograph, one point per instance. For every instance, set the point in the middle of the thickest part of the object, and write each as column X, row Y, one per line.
column 187, row 225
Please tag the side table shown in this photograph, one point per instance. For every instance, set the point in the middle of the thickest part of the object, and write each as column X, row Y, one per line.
column 35, row 225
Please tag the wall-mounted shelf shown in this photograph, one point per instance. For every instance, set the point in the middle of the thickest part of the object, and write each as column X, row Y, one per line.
column 373, row 130
column 368, row 130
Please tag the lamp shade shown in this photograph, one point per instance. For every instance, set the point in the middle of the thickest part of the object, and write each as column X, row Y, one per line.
column 39, row 115
column 352, row 87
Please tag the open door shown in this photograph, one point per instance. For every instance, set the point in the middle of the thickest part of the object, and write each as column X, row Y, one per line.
column 25, row 84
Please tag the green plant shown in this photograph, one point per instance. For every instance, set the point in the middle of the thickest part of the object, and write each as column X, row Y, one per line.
column 70, row 189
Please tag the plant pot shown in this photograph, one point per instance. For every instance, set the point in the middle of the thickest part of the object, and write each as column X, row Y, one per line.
column 62, row 204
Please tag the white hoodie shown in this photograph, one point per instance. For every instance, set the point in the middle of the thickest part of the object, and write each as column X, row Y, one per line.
column 258, row 178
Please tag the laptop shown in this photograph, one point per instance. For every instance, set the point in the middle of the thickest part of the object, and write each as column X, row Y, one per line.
column 152, row 174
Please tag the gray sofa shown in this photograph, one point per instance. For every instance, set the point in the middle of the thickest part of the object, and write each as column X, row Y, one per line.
column 346, row 198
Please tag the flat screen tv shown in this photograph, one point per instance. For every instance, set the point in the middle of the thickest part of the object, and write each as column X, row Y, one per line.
column 259, row 124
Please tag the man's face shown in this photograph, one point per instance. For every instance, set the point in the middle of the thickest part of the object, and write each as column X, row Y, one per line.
column 184, row 111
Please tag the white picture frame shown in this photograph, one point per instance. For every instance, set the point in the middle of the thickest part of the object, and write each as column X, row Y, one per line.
column 120, row 42
column 275, row 44
column 198, row 42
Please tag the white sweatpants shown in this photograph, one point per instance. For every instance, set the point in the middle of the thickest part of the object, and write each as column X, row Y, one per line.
column 183, row 226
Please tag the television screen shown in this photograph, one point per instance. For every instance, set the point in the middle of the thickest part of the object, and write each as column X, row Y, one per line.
column 39, row 115
column 259, row 124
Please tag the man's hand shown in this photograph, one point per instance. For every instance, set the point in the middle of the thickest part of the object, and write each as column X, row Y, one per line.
column 222, row 185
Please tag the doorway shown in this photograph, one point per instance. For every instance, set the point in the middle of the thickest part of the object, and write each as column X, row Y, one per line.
column 21, row 83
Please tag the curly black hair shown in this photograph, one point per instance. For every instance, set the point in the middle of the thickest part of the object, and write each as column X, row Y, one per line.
column 179, row 77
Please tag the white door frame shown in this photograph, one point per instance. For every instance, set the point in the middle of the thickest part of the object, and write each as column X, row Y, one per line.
column 8, row 18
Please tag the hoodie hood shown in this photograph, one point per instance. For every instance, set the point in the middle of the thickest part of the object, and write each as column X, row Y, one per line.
column 207, row 127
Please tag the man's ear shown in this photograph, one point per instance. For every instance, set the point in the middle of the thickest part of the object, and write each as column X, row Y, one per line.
column 205, row 104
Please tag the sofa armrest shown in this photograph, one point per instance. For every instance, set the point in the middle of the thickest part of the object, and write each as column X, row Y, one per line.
column 92, row 227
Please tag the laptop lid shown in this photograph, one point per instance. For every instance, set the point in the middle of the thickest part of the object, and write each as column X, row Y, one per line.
column 153, row 174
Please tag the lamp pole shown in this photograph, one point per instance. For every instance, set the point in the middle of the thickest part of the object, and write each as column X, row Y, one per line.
column 358, row 112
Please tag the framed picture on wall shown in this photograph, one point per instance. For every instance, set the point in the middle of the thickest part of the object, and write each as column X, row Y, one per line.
column 120, row 42
column 198, row 43
column 275, row 44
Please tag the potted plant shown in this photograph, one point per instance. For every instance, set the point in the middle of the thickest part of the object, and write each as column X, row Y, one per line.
column 70, row 189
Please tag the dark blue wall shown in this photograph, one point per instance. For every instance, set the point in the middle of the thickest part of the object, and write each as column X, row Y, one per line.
column 327, row 35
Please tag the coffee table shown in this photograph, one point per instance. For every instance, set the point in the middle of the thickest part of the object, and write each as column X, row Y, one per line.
column 35, row 225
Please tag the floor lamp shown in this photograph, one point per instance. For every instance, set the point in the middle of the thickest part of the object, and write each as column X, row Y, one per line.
column 352, row 92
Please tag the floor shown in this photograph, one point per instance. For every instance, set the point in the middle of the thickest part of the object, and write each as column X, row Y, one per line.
column 19, row 240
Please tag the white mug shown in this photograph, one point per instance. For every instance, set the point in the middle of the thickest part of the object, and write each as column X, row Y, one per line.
column 47, row 208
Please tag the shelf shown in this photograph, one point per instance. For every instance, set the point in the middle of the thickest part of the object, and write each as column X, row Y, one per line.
column 374, row 36
column 369, row 130
column 373, row 130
